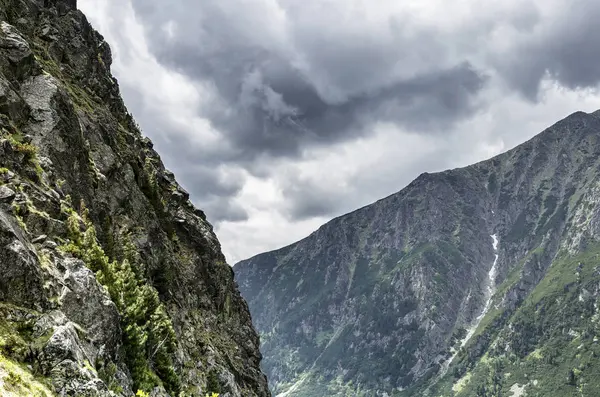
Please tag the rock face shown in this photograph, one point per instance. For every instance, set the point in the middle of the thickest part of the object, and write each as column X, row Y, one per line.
column 110, row 280
column 470, row 282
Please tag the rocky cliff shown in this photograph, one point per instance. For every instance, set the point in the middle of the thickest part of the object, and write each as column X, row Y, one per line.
column 110, row 280
column 479, row 281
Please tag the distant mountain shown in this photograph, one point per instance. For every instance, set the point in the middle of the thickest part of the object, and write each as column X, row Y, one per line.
column 478, row 281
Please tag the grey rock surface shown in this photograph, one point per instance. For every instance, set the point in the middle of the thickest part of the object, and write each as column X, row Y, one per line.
column 7, row 195
column 379, row 299
column 73, row 158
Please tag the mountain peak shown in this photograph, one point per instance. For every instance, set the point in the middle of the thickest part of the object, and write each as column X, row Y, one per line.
column 409, row 292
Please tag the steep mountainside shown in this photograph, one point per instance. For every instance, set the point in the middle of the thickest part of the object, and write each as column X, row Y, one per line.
column 110, row 280
column 479, row 281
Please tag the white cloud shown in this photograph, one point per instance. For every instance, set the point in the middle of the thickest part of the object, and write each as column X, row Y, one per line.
column 332, row 179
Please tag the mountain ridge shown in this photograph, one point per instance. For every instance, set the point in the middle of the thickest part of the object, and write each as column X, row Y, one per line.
column 422, row 244
column 425, row 175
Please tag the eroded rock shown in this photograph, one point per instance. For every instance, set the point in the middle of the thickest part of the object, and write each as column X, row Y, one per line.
column 7, row 195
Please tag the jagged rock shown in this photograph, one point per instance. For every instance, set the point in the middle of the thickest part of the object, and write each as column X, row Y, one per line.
column 7, row 176
column 49, row 32
column 39, row 223
column 39, row 239
column 11, row 104
column 6, row 194
column 65, row 6
column 46, row 323
column 72, row 378
column 63, row 345
column 85, row 302
column 159, row 392
column 18, row 61
column 21, row 281
column 49, row 244
column 38, row 92
column 64, row 359
column 76, row 160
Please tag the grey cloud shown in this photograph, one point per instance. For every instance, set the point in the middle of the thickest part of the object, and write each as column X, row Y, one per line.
column 275, row 107
column 221, row 210
column 312, row 83
column 196, row 169
column 425, row 103
column 308, row 205
column 569, row 52
column 308, row 198
column 213, row 190
column 210, row 181
column 210, row 188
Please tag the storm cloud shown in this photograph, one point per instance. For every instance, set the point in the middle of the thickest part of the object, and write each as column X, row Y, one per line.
column 564, row 47
column 287, row 76
column 279, row 114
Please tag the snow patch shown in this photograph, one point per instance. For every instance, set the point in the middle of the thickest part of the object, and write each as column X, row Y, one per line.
column 490, row 290
column 489, row 293
column 517, row 390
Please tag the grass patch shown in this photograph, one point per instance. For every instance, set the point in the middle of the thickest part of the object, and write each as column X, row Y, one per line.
column 17, row 380
column 550, row 346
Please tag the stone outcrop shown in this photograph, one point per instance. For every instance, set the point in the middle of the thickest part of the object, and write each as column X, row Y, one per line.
column 85, row 200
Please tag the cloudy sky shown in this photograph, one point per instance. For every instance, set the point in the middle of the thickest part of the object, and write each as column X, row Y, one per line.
column 277, row 115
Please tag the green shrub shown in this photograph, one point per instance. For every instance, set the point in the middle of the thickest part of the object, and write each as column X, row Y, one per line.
column 212, row 382
column 13, row 379
column 27, row 149
column 151, row 188
column 148, row 336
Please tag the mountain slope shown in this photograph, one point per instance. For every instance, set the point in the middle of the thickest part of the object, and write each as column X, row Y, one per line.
column 110, row 280
column 406, row 295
